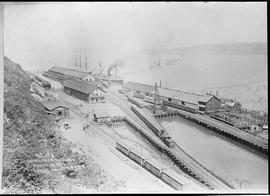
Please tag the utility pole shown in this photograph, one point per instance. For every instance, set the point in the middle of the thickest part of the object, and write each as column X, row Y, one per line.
column 115, row 68
column 80, row 64
column 155, row 98
column 75, row 64
column 99, row 68
column 86, row 61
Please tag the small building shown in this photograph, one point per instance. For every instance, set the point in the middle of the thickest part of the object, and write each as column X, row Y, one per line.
column 84, row 90
column 209, row 103
column 55, row 107
column 100, row 117
column 231, row 105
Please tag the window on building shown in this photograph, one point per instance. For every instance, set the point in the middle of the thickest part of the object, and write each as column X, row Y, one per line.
column 201, row 109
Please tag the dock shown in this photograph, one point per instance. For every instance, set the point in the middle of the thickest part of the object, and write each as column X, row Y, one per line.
column 185, row 162
column 259, row 143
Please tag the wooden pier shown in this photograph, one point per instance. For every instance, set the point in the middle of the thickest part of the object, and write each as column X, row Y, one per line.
column 253, row 141
column 185, row 162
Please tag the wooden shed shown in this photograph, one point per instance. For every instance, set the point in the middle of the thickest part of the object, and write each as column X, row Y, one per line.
column 55, row 107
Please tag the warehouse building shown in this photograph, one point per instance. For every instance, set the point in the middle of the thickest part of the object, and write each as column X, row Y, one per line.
column 139, row 88
column 55, row 107
column 199, row 103
column 83, row 90
column 61, row 74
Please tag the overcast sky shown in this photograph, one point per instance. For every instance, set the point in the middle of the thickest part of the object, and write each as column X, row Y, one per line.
column 47, row 34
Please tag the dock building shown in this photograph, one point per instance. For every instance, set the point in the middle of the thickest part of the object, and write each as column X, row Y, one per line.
column 84, row 90
column 200, row 103
column 61, row 74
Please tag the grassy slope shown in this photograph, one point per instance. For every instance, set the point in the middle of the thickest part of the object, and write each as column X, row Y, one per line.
column 28, row 131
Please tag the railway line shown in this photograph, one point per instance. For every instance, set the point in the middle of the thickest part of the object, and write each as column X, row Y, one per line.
column 177, row 155
column 186, row 162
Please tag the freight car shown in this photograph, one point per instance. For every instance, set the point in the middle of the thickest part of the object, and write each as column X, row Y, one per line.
column 151, row 100
column 41, row 82
column 167, row 139
column 140, row 105
column 137, row 158
column 178, row 106
column 154, row 126
column 152, row 168
column 171, row 180
column 158, row 130
column 122, row 148
column 139, row 95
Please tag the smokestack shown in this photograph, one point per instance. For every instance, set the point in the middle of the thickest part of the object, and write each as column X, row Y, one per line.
column 160, row 83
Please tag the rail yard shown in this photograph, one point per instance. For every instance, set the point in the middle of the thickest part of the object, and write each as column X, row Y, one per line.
column 141, row 114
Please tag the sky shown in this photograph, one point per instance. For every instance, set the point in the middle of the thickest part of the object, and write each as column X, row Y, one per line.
column 41, row 35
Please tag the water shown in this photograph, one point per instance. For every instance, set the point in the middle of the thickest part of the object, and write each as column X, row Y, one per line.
column 239, row 165
column 200, row 72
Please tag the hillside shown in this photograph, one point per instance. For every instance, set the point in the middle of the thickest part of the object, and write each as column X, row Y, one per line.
column 217, row 49
column 29, row 135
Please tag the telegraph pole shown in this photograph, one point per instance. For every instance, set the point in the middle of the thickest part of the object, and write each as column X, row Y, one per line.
column 86, row 61
column 80, row 64
column 75, row 63
column 99, row 68
column 155, row 98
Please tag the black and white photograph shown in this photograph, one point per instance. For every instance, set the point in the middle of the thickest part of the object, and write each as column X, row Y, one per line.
column 133, row 97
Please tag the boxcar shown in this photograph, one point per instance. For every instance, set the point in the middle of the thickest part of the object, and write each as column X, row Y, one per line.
column 152, row 168
column 136, row 157
column 171, row 181
column 138, row 95
column 122, row 148
column 135, row 102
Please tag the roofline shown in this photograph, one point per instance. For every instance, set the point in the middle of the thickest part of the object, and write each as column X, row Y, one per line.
column 140, row 83
column 180, row 91
column 55, row 107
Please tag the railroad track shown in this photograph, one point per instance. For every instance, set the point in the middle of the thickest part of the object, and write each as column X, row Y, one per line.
column 125, row 106
column 202, row 174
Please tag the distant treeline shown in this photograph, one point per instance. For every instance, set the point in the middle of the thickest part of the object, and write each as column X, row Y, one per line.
column 217, row 49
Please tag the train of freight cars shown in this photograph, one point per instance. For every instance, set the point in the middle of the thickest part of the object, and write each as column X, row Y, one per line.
column 164, row 176
column 140, row 105
column 41, row 82
column 158, row 130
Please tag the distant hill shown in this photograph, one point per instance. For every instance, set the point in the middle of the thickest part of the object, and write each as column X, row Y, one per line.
column 217, row 49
